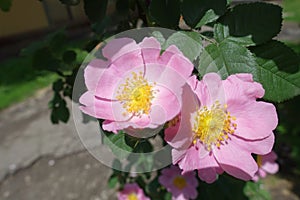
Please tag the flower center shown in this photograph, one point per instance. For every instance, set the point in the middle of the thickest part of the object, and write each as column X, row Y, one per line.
column 132, row 196
column 136, row 94
column 179, row 182
column 213, row 126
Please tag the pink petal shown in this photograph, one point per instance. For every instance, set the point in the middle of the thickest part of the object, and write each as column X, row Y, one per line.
column 210, row 89
column 168, row 53
column 271, row 168
column 181, row 64
column 183, row 137
column 177, row 155
column 235, row 161
column 150, row 48
column 191, row 160
column 260, row 147
column 110, row 126
column 111, row 110
column 118, row 47
column 242, row 86
column 93, row 72
column 165, row 106
column 254, row 120
column 209, row 175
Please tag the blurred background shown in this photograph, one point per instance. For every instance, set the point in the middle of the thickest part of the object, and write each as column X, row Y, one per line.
column 42, row 44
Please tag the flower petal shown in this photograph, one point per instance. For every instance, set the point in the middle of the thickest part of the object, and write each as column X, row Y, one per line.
column 235, row 161
column 261, row 146
column 209, row 175
column 254, row 120
column 93, row 72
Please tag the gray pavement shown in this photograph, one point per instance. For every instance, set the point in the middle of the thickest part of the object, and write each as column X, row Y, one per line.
column 39, row 160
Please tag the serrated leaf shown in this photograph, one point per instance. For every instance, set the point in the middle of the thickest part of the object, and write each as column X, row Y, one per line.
column 278, row 70
column 189, row 43
column 250, row 24
column 226, row 58
column 194, row 11
column 165, row 12
column 117, row 144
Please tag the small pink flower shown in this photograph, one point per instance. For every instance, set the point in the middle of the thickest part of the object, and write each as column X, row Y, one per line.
column 137, row 87
column 182, row 186
column 132, row 192
column 221, row 125
column 266, row 165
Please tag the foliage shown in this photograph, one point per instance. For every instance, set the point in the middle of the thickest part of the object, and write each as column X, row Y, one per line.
column 241, row 40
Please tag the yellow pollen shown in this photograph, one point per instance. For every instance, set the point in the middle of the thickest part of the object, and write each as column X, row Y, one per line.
column 179, row 182
column 259, row 160
column 136, row 94
column 173, row 121
column 213, row 126
column 132, row 196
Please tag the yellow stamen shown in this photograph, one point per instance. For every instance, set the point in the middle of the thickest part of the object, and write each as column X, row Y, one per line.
column 179, row 182
column 213, row 126
column 132, row 196
column 136, row 94
column 259, row 160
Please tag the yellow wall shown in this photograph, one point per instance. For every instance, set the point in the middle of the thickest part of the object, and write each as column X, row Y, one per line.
column 24, row 16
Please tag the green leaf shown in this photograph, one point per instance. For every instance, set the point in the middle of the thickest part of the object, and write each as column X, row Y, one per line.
column 250, row 24
column 254, row 191
column 69, row 56
column 58, row 85
column 159, row 36
column 199, row 12
column 95, row 9
column 5, row 5
column 278, row 70
column 226, row 58
column 189, row 43
column 165, row 12
column 117, row 144
column 112, row 182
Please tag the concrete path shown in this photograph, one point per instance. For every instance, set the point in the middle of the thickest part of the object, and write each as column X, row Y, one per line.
column 39, row 160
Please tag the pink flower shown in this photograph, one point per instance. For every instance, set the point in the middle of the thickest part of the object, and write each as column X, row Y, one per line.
column 132, row 192
column 137, row 87
column 266, row 165
column 221, row 125
column 182, row 186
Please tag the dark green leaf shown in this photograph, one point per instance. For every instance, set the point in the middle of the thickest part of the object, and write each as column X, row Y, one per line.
column 44, row 59
column 58, row 85
column 189, row 43
column 165, row 12
column 250, row 24
column 95, row 9
column 117, row 144
column 5, row 5
column 122, row 6
column 194, row 11
column 69, row 56
column 278, row 70
column 226, row 58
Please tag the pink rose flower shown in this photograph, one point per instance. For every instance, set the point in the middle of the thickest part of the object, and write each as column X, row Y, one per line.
column 132, row 192
column 221, row 125
column 266, row 165
column 137, row 87
column 182, row 186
